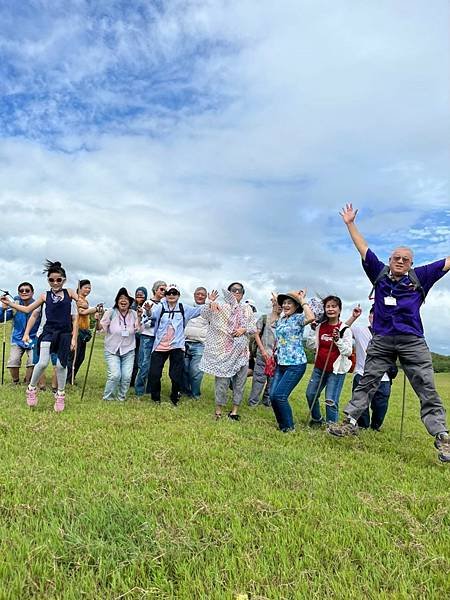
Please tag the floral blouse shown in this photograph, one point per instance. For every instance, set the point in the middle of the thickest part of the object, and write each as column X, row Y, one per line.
column 289, row 336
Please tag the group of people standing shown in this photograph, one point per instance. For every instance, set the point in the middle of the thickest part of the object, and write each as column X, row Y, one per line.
column 212, row 336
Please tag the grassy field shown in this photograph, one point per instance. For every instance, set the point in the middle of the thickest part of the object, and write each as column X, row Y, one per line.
column 110, row 500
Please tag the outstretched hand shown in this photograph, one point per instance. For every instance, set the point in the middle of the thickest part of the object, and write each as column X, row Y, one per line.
column 5, row 301
column 213, row 295
column 348, row 213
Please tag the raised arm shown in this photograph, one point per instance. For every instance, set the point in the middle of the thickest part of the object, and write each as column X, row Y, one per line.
column 356, row 313
column 348, row 215
column 309, row 315
column 21, row 307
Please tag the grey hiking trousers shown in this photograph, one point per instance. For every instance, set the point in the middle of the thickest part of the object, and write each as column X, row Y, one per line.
column 260, row 383
column 222, row 385
column 415, row 358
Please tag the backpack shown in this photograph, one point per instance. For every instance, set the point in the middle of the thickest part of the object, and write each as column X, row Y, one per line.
column 163, row 310
column 412, row 277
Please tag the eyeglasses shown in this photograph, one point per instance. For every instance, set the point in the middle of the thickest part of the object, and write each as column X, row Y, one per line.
column 55, row 279
column 236, row 289
column 397, row 258
column 162, row 289
column 172, row 293
column 24, row 291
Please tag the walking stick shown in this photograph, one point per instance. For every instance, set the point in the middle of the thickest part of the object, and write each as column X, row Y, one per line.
column 5, row 293
column 4, row 346
column 403, row 405
column 89, row 360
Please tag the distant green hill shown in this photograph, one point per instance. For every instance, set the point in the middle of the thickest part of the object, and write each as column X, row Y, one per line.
column 441, row 363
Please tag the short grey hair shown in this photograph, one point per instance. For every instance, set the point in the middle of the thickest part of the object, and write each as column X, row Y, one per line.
column 403, row 248
column 157, row 284
column 200, row 287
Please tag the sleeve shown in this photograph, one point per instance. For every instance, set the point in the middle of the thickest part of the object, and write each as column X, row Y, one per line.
column 192, row 311
column 260, row 324
column 8, row 312
column 345, row 343
column 251, row 321
column 429, row 274
column 106, row 320
column 372, row 265
column 206, row 311
column 311, row 338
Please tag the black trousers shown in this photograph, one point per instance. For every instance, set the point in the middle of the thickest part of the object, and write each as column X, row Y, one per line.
column 75, row 366
column 176, row 367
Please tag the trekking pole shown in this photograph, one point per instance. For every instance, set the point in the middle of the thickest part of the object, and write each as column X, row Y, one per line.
column 317, row 394
column 89, row 361
column 4, row 346
column 403, row 405
column 5, row 293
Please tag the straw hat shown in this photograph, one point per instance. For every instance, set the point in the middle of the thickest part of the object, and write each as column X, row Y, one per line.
column 293, row 295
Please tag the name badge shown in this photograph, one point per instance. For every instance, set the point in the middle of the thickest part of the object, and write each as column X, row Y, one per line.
column 125, row 333
column 390, row 301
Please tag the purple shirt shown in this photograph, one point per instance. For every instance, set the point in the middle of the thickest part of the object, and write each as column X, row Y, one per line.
column 404, row 317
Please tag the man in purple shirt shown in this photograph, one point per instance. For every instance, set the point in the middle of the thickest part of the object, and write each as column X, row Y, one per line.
column 397, row 333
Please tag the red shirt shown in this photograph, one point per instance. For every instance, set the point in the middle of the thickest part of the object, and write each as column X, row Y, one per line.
column 325, row 341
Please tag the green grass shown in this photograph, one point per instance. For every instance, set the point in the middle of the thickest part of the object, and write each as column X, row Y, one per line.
column 138, row 501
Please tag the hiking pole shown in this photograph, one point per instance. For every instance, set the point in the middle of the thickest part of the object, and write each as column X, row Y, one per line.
column 403, row 405
column 5, row 293
column 317, row 394
column 4, row 346
column 89, row 361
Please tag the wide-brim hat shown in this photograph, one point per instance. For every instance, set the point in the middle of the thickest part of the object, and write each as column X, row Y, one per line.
column 123, row 292
column 293, row 295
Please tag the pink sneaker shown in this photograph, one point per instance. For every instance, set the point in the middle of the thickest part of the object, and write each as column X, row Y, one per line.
column 31, row 395
column 59, row 401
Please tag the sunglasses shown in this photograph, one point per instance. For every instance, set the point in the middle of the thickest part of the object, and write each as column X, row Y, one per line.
column 236, row 289
column 55, row 279
column 172, row 293
column 162, row 289
column 24, row 291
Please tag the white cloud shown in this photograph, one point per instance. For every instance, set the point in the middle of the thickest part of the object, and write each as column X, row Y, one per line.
column 217, row 141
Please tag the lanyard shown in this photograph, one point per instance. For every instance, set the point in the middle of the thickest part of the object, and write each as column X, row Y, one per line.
column 124, row 318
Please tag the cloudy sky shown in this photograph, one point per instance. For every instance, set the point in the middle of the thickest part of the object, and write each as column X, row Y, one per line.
column 204, row 141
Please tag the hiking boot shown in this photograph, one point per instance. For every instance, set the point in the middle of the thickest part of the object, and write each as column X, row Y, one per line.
column 343, row 429
column 442, row 443
column 234, row 417
column 31, row 395
column 59, row 402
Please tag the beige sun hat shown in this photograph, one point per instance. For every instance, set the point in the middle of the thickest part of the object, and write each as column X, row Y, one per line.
column 293, row 295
